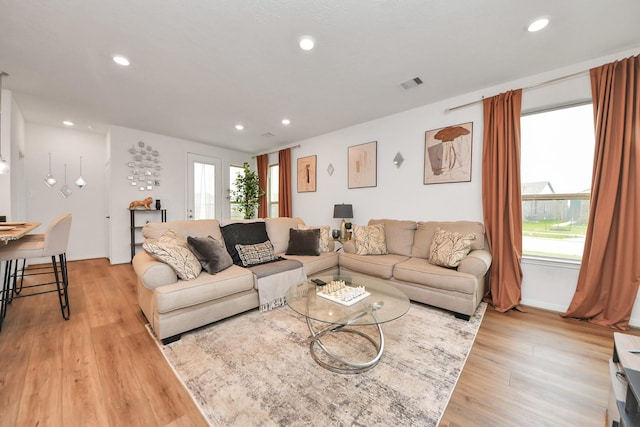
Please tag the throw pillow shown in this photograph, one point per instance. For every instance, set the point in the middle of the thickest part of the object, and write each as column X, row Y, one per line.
column 211, row 253
column 243, row 233
column 325, row 235
column 259, row 253
column 370, row 239
column 449, row 247
column 173, row 249
column 304, row 242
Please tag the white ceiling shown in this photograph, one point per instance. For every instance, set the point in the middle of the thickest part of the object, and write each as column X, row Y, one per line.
column 201, row 66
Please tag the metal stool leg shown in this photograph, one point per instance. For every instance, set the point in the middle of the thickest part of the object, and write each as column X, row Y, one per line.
column 62, row 284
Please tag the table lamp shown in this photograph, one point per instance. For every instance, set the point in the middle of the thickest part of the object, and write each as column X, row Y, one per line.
column 343, row 211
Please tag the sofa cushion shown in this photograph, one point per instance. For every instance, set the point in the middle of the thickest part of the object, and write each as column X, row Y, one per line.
column 255, row 254
column 398, row 234
column 204, row 288
column 211, row 253
column 425, row 231
column 378, row 266
column 304, row 242
column 243, row 233
column 449, row 247
column 315, row 264
column 370, row 240
column 325, row 235
column 173, row 249
column 421, row 272
column 197, row 228
column 278, row 231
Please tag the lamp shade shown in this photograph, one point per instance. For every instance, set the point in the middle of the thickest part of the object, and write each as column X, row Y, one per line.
column 342, row 211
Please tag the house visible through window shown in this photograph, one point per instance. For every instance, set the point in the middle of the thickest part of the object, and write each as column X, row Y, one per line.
column 557, row 150
column 234, row 171
column 273, row 192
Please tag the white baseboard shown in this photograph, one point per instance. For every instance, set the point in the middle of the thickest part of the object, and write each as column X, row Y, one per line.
column 634, row 321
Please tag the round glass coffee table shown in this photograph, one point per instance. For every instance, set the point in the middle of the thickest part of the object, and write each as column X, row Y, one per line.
column 342, row 305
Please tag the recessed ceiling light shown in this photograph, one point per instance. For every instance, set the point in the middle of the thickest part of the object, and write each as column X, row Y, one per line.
column 538, row 25
column 239, row 127
column 121, row 60
column 307, row 43
column 67, row 123
column 286, row 122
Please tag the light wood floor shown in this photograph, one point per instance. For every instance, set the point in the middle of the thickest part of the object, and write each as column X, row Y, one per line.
column 101, row 368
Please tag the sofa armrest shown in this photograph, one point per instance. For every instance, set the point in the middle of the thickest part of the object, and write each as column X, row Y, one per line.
column 477, row 262
column 151, row 272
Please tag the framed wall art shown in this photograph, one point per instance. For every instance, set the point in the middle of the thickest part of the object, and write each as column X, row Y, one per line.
column 447, row 154
column 363, row 164
column 306, row 174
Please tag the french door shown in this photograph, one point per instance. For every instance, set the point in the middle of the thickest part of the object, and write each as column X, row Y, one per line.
column 204, row 187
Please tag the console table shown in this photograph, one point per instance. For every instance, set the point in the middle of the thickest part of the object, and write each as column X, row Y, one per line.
column 146, row 215
column 624, row 370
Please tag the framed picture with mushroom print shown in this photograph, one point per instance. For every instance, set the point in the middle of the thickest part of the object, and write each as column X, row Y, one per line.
column 447, row 154
column 306, row 174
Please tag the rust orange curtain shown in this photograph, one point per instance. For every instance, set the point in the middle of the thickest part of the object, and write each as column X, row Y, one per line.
column 501, row 199
column 610, row 272
column 263, row 176
column 284, row 183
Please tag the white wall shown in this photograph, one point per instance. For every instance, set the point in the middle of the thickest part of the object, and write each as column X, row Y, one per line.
column 400, row 192
column 173, row 180
column 44, row 204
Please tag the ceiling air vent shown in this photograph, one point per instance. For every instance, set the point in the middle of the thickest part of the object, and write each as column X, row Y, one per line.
column 268, row 134
column 416, row 81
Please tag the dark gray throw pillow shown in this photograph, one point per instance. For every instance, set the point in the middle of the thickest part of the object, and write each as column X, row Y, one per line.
column 211, row 253
column 243, row 233
column 304, row 242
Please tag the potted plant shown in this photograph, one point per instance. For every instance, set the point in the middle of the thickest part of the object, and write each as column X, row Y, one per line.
column 247, row 192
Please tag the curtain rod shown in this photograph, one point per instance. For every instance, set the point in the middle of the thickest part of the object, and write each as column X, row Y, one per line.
column 533, row 86
column 274, row 152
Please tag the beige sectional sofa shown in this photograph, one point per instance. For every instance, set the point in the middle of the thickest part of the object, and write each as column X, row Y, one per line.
column 173, row 306
column 406, row 265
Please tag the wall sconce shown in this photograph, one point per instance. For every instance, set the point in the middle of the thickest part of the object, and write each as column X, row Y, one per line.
column 330, row 169
column 398, row 159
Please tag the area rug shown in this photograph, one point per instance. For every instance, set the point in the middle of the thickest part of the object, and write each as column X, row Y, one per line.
column 255, row 369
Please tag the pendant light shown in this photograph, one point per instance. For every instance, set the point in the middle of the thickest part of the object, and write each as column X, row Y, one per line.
column 4, row 165
column 80, row 182
column 65, row 190
column 50, row 180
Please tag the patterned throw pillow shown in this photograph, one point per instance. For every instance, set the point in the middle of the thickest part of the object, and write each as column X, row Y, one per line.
column 370, row 240
column 448, row 248
column 325, row 235
column 173, row 249
column 256, row 254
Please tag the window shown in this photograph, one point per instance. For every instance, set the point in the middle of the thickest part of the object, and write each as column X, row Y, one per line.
column 204, row 184
column 556, row 166
column 234, row 171
column 272, row 192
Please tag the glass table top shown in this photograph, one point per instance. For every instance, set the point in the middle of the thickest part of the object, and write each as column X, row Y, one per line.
column 385, row 303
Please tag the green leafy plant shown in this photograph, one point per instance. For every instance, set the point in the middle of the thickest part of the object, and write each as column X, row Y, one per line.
column 247, row 193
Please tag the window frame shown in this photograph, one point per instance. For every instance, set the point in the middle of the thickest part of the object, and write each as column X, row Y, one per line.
column 554, row 196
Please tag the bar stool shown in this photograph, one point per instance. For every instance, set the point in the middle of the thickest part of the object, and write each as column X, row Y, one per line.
column 54, row 244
